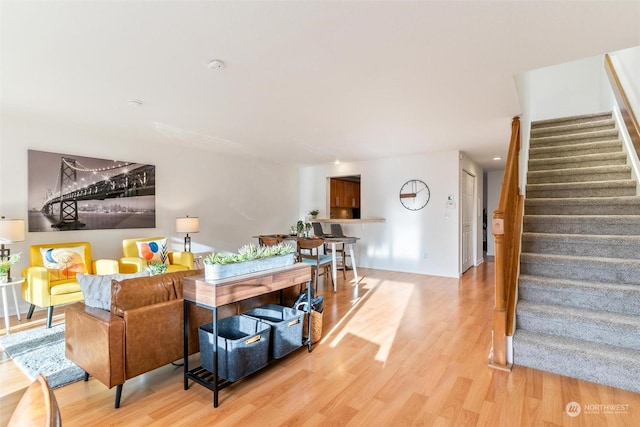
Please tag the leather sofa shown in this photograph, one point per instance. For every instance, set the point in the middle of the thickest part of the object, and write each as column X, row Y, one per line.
column 142, row 331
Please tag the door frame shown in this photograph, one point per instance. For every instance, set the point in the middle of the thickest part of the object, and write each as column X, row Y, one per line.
column 474, row 220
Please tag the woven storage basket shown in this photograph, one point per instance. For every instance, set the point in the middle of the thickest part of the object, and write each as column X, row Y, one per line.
column 316, row 326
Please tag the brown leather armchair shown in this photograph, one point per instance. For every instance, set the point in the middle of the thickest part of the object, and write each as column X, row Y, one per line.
column 143, row 331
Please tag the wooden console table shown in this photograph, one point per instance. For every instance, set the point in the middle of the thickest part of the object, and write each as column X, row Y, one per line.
column 212, row 294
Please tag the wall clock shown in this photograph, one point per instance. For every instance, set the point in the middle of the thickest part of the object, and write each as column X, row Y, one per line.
column 414, row 195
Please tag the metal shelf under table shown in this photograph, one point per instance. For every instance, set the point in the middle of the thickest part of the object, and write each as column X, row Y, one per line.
column 211, row 294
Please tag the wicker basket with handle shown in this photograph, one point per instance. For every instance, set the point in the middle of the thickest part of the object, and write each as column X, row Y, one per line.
column 316, row 324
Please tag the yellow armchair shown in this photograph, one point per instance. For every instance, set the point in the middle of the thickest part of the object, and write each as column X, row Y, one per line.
column 50, row 279
column 133, row 262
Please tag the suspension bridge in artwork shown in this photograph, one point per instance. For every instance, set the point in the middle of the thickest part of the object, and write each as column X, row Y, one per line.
column 76, row 183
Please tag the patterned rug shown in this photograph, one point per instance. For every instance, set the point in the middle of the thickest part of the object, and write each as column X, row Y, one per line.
column 41, row 351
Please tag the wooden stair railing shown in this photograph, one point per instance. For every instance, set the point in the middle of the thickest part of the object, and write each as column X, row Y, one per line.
column 629, row 118
column 507, row 231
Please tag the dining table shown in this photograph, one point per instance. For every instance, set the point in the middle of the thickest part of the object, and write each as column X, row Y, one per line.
column 348, row 241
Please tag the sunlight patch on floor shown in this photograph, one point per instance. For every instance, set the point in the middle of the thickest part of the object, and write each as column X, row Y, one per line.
column 388, row 299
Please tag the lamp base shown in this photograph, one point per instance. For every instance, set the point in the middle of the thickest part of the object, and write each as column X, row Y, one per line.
column 187, row 244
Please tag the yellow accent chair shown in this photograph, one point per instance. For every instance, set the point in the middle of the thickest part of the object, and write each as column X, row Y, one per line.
column 50, row 279
column 138, row 253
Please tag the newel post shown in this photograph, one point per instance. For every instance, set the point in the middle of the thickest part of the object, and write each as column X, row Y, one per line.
column 498, row 357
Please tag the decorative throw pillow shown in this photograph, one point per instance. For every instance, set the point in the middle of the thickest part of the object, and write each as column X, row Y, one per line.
column 97, row 289
column 153, row 250
column 63, row 263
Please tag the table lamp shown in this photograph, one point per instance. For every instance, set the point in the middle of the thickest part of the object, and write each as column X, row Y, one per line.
column 11, row 231
column 187, row 225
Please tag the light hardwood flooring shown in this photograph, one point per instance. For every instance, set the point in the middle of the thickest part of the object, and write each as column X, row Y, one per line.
column 398, row 349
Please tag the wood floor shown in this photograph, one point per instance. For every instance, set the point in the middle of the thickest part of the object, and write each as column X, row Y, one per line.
column 398, row 349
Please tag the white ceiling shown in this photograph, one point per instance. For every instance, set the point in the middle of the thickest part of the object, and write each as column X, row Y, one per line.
column 305, row 82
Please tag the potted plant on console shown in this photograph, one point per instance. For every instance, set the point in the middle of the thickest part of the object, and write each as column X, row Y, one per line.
column 314, row 213
column 249, row 259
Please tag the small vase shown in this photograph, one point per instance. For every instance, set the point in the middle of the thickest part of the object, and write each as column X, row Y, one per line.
column 4, row 277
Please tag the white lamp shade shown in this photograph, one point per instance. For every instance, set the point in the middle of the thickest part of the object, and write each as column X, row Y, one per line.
column 12, row 230
column 188, row 224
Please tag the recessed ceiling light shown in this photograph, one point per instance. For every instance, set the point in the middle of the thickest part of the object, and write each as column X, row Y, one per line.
column 216, row 64
column 134, row 102
column 336, row 162
column 497, row 158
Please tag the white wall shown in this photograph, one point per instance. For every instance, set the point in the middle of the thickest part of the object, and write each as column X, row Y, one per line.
column 627, row 65
column 568, row 89
column 235, row 198
column 424, row 241
column 523, row 85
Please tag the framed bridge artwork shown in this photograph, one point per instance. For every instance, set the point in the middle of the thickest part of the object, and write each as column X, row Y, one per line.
column 68, row 192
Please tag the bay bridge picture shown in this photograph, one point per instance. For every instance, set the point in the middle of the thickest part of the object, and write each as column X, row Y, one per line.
column 68, row 192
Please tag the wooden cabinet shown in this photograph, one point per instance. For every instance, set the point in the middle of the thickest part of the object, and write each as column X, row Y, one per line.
column 344, row 194
column 356, row 194
column 335, row 193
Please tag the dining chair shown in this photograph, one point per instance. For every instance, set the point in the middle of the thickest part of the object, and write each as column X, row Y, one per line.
column 309, row 253
column 37, row 406
column 317, row 229
column 269, row 240
column 341, row 260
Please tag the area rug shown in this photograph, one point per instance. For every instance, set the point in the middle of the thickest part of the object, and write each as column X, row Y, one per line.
column 41, row 351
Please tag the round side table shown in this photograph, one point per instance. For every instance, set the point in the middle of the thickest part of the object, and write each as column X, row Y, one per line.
column 3, row 286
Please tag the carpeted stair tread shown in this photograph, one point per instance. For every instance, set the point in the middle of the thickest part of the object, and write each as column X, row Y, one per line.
column 603, row 159
column 572, row 127
column 623, row 205
column 560, row 121
column 572, row 139
column 600, row 327
column 603, row 364
column 616, row 270
column 607, row 246
column 576, row 149
column 620, row 187
column 594, row 173
column 582, row 224
column 611, row 297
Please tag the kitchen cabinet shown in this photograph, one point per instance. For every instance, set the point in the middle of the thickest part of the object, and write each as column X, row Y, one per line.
column 344, row 194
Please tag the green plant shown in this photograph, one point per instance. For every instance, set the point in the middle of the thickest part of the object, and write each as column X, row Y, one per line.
column 7, row 262
column 156, row 267
column 300, row 226
column 314, row 212
column 247, row 253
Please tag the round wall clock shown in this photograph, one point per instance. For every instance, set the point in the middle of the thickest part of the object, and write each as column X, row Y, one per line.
column 414, row 195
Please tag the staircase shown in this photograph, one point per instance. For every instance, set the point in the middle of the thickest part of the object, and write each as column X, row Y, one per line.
column 578, row 311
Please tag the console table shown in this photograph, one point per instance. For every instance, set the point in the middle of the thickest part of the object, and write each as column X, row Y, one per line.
column 212, row 294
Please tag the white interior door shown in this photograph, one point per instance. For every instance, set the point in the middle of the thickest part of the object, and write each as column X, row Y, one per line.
column 468, row 193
